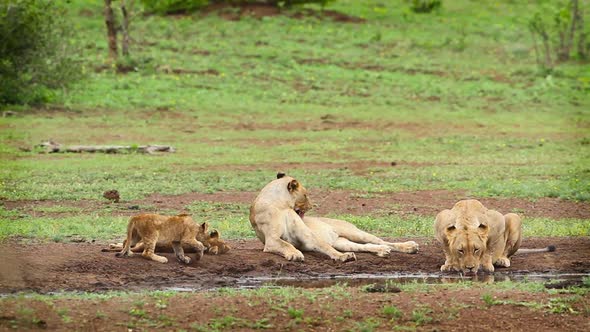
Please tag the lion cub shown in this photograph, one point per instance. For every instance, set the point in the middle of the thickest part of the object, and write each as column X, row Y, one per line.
column 152, row 229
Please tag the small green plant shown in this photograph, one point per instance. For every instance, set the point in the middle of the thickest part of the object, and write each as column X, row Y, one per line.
column 295, row 313
column 392, row 312
column 137, row 312
column 368, row 325
column 421, row 315
column 488, row 299
column 63, row 313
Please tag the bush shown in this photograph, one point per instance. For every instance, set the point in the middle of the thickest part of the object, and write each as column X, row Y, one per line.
column 424, row 6
column 34, row 56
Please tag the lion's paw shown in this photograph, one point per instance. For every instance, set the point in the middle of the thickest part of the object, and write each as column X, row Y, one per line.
column 184, row 259
column 411, row 247
column 347, row 257
column 489, row 268
column 161, row 259
column 502, row 262
column 446, row 268
column 296, row 256
column 213, row 250
column 383, row 252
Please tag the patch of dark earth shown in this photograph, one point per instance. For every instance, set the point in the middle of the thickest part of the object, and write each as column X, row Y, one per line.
column 326, row 202
column 55, row 267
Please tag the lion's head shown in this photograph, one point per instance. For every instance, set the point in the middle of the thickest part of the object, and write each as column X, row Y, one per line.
column 211, row 240
column 298, row 193
column 467, row 246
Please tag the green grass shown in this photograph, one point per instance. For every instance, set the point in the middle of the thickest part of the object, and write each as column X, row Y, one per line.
column 232, row 222
column 467, row 111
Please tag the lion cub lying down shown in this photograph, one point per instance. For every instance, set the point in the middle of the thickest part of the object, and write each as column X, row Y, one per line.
column 472, row 236
column 148, row 232
column 277, row 216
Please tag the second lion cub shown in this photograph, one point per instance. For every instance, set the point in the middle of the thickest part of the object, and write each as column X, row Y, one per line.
column 154, row 229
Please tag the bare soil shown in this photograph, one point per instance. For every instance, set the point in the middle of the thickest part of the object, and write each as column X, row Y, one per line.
column 424, row 203
column 237, row 11
column 51, row 267
column 83, row 267
column 351, row 309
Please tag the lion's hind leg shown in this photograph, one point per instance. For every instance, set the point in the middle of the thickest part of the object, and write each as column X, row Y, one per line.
column 351, row 232
column 149, row 249
column 343, row 244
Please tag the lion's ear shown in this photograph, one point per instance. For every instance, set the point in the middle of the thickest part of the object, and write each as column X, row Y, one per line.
column 483, row 229
column 292, row 186
column 280, row 175
column 214, row 234
column 204, row 227
column 451, row 228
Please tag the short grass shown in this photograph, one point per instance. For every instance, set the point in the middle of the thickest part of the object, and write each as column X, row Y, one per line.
column 232, row 222
column 454, row 97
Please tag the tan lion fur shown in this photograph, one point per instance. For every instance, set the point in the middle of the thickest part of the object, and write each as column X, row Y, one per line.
column 473, row 236
column 153, row 229
column 277, row 216
column 210, row 239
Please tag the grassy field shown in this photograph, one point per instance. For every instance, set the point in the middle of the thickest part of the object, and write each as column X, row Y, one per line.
column 393, row 93
column 455, row 98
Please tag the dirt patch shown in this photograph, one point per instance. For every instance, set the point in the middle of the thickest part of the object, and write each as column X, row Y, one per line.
column 237, row 11
column 348, row 309
column 430, row 202
column 83, row 267
column 423, row 203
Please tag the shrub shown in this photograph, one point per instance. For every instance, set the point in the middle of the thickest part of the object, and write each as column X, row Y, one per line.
column 424, row 6
column 34, row 51
column 557, row 30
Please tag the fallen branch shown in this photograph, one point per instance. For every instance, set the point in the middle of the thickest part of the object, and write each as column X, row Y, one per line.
column 53, row 147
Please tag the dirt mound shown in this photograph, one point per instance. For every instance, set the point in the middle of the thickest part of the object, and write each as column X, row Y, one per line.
column 83, row 267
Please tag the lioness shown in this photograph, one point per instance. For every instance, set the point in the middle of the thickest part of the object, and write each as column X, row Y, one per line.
column 153, row 229
column 210, row 239
column 277, row 216
column 472, row 236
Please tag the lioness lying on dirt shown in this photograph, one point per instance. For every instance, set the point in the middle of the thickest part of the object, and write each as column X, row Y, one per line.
column 145, row 232
column 473, row 236
column 277, row 216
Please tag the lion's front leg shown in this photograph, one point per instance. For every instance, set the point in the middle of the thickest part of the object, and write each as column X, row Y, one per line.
column 486, row 262
column 179, row 253
column 450, row 263
column 278, row 246
column 197, row 246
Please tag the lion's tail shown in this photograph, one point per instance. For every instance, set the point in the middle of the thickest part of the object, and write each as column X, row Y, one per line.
column 129, row 240
column 529, row 251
